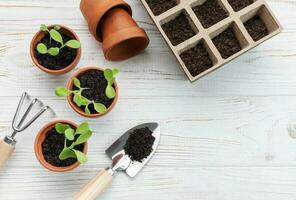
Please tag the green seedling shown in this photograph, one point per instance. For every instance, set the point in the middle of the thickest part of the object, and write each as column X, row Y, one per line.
column 83, row 132
column 80, row 100
column 110, row 75
column 55, row 35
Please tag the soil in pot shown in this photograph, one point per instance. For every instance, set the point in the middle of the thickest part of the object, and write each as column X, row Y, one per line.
column 227, row 43
column 197, row 59
column 62, row 60
column 160, row 6
column 96, row 82
column 53, row 145
column 179, row 29
column 210, row 13
column 256, row 28
column 237, row 5
column 139, row 144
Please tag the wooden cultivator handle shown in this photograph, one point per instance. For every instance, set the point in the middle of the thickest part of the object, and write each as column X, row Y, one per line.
column 95, row 187
column 5, row 152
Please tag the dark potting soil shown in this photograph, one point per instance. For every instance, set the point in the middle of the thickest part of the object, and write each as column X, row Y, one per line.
column 179, row 29
column 139, row 144
column 160, row 6
column 96, row 82
column 53, row 145
column 256, row 28
column 210, row 13
column 197, row 59
column 63, row 59
column 237, row 5
column 227, row 43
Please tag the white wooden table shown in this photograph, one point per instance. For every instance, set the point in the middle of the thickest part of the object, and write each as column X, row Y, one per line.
column 228, row 136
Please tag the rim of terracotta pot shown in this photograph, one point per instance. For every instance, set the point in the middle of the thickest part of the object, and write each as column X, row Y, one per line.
column 78, row 109
column 38, row 147
column 39, row 35
column 99, row 10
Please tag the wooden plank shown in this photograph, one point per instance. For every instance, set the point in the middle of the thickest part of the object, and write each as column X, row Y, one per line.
column 229, row 136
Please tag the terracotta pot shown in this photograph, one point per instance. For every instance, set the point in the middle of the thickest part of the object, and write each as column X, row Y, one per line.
column 39, row 35
column 38, row 147
column 110, row 22
column 79, row 110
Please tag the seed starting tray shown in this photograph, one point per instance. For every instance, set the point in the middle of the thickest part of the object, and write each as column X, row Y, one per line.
column 201, row 35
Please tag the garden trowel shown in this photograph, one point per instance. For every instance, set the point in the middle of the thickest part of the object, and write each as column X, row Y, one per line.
column 120, row 162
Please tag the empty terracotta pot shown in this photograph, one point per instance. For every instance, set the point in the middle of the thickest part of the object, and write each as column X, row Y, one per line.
column 79, row 110
column 39, row 35
column 38, row 147
column 111, row 23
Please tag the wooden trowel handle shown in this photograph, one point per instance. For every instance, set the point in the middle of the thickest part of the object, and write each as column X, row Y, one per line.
column 5, row 152
column 95, row 186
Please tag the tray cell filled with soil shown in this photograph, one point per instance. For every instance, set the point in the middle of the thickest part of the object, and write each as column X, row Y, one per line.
column 229, row 40
column 198, row 58
column 259, row 23
column 227, row 29
column 179, row 27
column 238, row 5
column 209, row 12
column 160, row 6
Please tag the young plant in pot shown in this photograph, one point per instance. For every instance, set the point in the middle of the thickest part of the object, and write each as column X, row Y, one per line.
column 55, row 49
column 62, row 145
column 91, row 92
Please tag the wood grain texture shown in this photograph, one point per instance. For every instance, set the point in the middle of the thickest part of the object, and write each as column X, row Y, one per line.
column 231, row 135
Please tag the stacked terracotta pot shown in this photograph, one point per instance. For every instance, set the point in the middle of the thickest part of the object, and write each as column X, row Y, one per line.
column 111, row 22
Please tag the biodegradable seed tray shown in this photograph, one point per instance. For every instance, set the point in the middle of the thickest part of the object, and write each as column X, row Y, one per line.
column 206, row 34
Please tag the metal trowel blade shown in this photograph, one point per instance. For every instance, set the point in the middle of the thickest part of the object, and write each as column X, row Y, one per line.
column 118, row 147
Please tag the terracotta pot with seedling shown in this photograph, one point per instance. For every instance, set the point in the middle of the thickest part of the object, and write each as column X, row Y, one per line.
column 62, row 145
column 55, row 49
column 91, row 92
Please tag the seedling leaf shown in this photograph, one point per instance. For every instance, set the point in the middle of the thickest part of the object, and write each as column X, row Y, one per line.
column 108, row 74
column 54, row 51
column 84, row 101
column 83, row 128
column 74, row 44
column 43, row 27
column 111, row 81
column 81, row 157
column 69, row 133
column 83, row 138
column 110, row 92
column 55, row 35
column 100, row 108
column 115, row 71
column 61, row 128
column 41, row 48
column 77, row 99
column 76, row 82
column 67, row 153
column 57, row 27
column 62, row 91
column 87, row 111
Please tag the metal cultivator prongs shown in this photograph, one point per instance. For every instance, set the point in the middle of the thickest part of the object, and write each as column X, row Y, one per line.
column 7, row 145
